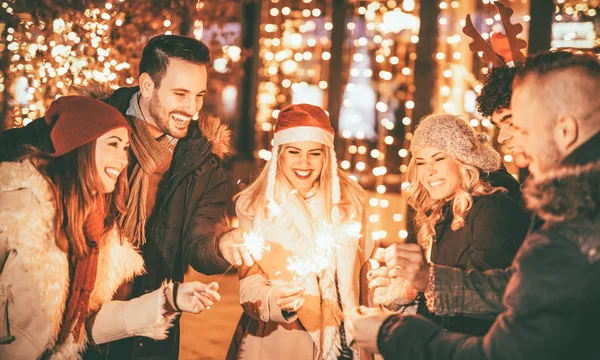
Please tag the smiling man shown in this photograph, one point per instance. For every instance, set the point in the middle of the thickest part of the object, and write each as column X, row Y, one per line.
column 494, row 102
column 176, row 205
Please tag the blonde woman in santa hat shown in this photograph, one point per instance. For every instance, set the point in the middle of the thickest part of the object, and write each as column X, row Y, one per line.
column 305, row 209
column 61, row 254
column 462, row 221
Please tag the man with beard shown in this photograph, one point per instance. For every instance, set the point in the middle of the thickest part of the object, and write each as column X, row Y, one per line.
column 177, row 184
column 552, row 298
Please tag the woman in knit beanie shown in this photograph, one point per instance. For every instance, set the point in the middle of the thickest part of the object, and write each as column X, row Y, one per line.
column 62, row 257
column 310, row 215
column 461, row 220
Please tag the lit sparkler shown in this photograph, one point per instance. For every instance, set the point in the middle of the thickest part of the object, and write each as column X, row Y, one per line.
column 274, row 208
column 254, row 244
column 353, row 230
column 301, row 266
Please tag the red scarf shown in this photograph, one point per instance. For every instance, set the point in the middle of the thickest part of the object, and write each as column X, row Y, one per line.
column 84, row 278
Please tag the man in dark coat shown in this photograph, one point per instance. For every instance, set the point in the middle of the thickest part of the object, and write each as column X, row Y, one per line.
column 178, row 191
column 552, row 300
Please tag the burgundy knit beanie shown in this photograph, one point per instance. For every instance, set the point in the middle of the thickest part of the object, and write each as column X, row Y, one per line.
column 78, row 120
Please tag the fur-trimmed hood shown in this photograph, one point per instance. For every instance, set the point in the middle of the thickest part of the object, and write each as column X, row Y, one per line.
column 217, row 133
column 566, row 194
column 37, row 270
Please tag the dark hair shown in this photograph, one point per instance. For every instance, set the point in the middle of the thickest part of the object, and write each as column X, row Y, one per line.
column 547, row 62
column 496, row 91
column 75, row 183
column 160, row 49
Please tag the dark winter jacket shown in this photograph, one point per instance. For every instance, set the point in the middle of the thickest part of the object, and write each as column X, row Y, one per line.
column 476, row 292
column 187, row 220
column 553, row 298
column 493, row 232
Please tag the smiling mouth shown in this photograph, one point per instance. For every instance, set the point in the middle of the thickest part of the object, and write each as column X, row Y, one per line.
column 181, row 121
column 436, row 184
column 302, row 174
column 112, row 173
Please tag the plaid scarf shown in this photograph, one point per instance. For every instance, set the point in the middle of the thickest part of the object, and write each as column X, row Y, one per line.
column 150, row 153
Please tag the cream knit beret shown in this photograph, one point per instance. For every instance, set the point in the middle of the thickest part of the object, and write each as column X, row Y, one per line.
column 455, row 137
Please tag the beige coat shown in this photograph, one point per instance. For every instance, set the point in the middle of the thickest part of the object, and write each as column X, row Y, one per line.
column 34, row 278
column 264, row 332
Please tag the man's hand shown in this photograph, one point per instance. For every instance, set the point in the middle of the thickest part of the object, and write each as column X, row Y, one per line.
column 407, row 261
column 231, row 246
column 194, row 297
column 363, row 324
column 289, row 298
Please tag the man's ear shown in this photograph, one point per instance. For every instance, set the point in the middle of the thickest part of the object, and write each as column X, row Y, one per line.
column 146, row 85
column 566, row 133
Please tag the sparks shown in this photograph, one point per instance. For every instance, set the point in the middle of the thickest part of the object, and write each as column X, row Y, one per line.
column 274, row 208
column 353, row 230
column 301, row 266
column 255, row 244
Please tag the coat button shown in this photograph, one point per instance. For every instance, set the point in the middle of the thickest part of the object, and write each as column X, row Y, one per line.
column 141, row 344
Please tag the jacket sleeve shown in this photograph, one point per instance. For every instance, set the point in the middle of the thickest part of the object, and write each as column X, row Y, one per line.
column 13, row 142
column 257, row 293
column 499, row 225
column 257, row 297
column 546, row 299
column 457, row 291
column 207, row 226
column 141, row 316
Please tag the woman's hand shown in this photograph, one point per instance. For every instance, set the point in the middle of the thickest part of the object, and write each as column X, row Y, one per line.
column 408, row 262
column 378, row 278
column 194, row 297
column 289, row 298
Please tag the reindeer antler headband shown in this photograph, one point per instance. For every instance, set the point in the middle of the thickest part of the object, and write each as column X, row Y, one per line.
column 511, row 30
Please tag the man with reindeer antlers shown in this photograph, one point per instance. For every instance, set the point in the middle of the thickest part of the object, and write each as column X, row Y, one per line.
column 450, row 291
column 552, row 297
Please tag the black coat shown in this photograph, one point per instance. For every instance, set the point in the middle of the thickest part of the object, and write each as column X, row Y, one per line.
column 184, row 229
column 493, row 232
column 553, row 297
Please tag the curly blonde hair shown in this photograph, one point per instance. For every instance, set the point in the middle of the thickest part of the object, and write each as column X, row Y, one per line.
column 429, row 211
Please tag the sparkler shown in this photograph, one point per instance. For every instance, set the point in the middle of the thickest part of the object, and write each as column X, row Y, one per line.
column 254, row 244
column 274, row 208
column 301, row 266
column 353, row 230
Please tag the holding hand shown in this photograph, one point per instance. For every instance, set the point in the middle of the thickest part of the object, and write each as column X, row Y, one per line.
column 406, row 261
column 231, row 246
column 363, row 325
column 194, row 297
column 289, row 298
column 390, row 292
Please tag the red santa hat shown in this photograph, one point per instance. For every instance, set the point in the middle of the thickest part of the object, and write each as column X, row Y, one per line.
column 304, row 122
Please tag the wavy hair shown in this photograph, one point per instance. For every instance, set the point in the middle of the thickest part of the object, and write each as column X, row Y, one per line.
column 428, row 211
column 75, row 183
column 353, row 197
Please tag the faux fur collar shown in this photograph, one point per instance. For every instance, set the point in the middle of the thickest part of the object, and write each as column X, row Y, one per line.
column 217, row 133
column 566, row 193
column 30, row 229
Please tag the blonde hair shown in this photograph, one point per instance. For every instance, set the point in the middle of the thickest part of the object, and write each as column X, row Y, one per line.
column 352, row 197
column 428, row 211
